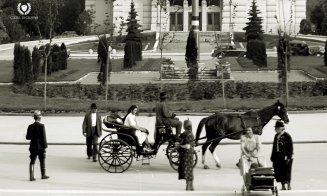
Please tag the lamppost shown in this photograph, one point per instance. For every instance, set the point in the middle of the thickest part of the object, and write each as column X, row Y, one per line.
column 195, row 25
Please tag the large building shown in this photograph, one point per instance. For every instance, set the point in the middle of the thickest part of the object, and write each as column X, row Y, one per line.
column 215, row 15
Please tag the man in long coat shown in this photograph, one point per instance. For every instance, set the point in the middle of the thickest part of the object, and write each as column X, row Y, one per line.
column 92, row 130
column 282, row 155
column 38, row 144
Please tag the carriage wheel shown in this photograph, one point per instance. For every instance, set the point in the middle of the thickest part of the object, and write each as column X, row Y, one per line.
column 115, row 156
column 170, row 147
column 174, row 162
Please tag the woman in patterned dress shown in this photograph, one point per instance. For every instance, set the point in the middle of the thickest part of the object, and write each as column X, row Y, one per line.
column 186, row 159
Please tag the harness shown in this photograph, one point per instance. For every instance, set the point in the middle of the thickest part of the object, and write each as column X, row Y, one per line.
column 247, row 122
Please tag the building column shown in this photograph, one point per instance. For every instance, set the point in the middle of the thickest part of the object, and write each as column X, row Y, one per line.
column 204, row 15
column 185, row 16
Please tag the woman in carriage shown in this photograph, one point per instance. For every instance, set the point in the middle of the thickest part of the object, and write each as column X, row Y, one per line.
column 141, row 133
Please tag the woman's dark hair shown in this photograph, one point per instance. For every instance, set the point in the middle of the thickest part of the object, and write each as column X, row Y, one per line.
column 130, row 109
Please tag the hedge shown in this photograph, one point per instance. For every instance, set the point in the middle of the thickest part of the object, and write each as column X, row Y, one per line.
column 189, row 91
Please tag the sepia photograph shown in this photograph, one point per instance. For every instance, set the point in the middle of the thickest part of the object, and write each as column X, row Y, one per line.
column 163, row 97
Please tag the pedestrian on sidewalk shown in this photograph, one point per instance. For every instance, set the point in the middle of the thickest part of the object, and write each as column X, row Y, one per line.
column 38, row 144
column 186, row 160
column 92, row 130
column 282, row 155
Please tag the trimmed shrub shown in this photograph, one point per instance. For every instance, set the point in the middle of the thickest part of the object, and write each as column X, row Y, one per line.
column 325, row 55
column 36, row 63
column 63, row 56
column 256, row 50
column 28, row 70
column 19, row 61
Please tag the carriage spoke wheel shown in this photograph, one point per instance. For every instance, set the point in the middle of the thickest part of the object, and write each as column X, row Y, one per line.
column 115, row 156
column 174, row 161
column 170, row 147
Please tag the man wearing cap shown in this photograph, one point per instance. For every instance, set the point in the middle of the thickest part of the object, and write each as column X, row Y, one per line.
column 92, row 130
column 282, row 155
column 38, row 144
column 163, row 116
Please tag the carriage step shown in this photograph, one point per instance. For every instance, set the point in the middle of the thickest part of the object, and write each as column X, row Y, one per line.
column 145, row 161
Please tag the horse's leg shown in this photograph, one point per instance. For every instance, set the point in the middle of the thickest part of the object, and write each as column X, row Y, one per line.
column 215, row 156
column 204, row 148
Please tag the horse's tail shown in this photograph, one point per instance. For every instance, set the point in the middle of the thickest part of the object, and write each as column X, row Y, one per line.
column 199, row 129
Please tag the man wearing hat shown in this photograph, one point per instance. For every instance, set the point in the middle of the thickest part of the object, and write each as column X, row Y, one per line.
column 38, row 144
column 92, row 130
column 282, row 155
column 164, row 116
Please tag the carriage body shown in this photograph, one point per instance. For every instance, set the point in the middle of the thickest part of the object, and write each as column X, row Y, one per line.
column 118, row 148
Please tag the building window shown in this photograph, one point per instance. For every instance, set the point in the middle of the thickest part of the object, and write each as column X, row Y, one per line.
column 213, row 21
column 176, row 21
column 214, row 2
column 176, row 2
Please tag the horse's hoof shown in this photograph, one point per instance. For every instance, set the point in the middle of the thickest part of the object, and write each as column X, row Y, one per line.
column 218, row 165
column 206, row 167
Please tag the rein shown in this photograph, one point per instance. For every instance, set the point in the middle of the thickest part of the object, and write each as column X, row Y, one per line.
column 219, row 138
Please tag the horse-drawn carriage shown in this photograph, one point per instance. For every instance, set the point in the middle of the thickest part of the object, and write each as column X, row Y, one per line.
column 118, row 148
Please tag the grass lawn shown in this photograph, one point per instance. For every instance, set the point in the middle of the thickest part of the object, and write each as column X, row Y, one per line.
column 313, row 65
column 78, row 68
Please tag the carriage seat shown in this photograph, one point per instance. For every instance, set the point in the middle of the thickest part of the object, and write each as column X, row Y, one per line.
column 262, row 171
column 116, row 122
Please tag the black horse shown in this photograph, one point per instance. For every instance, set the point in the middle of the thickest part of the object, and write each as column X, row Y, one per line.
column 230, row 126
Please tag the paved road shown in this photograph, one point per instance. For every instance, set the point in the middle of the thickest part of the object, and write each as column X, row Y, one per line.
column 72, row 174
column 68, row 129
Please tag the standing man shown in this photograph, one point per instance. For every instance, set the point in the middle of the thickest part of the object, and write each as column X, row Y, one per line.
column 282, row 155
column 92, row 130
column 38, row 144
column 163, row 116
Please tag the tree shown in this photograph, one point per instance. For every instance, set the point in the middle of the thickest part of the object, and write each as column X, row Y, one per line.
column 253, row 29
column 83, row 23
column 133, row 46
column 317, row 16
column 283, row 66
column 14, row 29
column 305, row 27
column 191, row 56
column 325, row 55
column 69, row 14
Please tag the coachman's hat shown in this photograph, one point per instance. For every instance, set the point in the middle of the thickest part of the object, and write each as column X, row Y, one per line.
column 163, row 95
column 93, row 106
column 37, row 113
column 279, row 124
column 187, row 125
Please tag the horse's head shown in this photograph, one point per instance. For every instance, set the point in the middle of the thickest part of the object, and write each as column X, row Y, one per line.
column 281, row 112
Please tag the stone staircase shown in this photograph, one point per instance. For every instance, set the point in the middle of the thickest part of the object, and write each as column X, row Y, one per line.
column 175, row 73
